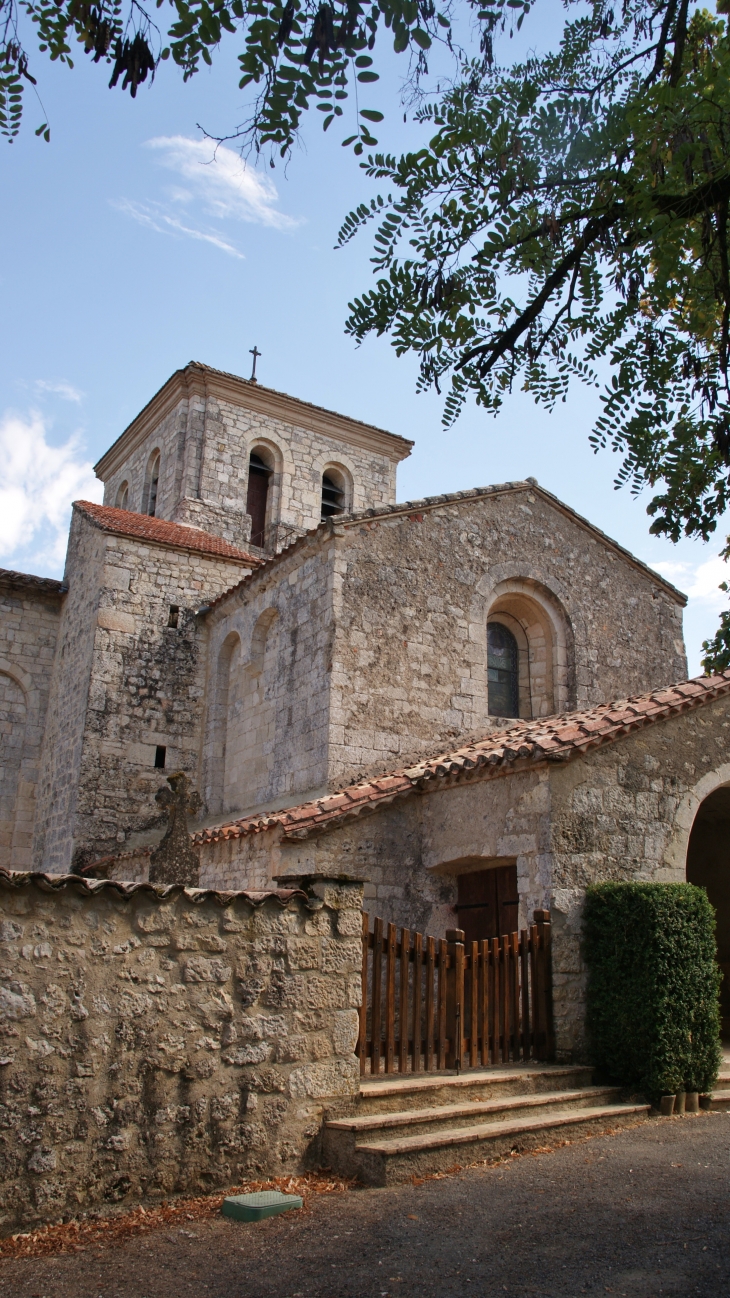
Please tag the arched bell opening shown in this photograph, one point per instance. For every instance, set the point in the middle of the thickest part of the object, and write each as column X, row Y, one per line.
column 708, row 866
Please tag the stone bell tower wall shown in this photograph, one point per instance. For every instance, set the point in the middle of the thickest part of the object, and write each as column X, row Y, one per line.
column 205, row 424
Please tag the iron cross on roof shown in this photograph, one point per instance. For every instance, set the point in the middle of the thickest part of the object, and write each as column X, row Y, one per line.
column 254, row 351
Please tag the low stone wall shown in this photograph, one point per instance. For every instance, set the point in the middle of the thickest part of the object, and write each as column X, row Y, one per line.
column 155, row 1040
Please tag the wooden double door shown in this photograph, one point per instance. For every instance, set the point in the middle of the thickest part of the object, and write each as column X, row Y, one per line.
column 488, row 903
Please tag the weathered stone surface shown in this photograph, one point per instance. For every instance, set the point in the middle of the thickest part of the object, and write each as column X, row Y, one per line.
column 131, row 1071
column 175, row 859
column 30, row 609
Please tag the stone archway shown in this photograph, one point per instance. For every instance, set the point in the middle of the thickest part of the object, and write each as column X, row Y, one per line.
column 708, row 865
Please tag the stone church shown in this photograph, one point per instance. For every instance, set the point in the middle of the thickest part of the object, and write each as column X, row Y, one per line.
column 475, row 702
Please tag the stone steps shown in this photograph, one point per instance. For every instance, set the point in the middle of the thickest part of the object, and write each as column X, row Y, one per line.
column 422, row 1090
column 719, row 1101
column 412, row 1126
column 415, row 1122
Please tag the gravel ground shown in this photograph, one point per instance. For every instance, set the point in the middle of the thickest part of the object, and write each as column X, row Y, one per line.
column 642, row 1212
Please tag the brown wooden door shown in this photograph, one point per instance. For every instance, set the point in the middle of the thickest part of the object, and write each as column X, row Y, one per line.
column 487, row 904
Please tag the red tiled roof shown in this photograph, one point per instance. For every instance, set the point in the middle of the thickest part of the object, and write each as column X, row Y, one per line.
column 155, row 891
column 553, row 739
column 123, row 522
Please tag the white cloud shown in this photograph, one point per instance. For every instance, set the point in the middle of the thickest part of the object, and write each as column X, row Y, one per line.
column 155, row 217
column 219, row 182
column 61, row 389
column 228, row 187
column 699, row 581
column 38, row 481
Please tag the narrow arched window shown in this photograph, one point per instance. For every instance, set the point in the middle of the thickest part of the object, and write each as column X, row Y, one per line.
column 122, row 501
column 333, row 494
column 151, row 485
column 502, row 672
column 154, row 483
column 257, row 496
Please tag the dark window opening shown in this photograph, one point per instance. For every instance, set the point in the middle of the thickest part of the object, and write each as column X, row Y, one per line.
column 154, row 482
column 488, row 903
column 256, row 499
column 502, row 672
column 333, row 497
column 160, row 753
column 173, row 615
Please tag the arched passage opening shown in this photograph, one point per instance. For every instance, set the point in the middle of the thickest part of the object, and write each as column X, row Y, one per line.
column 708, row 865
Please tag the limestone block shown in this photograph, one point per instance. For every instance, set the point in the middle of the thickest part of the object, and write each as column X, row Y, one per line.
column 199, row 970
column 112, row 619
column 340, row 1077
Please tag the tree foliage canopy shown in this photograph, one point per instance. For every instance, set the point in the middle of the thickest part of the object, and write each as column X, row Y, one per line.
column 297, row 54
column 571, row 209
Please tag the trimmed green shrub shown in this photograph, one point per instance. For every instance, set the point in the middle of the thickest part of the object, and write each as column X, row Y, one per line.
column 653, row 984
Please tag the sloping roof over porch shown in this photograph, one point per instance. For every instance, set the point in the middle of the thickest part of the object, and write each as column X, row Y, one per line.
column 528, row 743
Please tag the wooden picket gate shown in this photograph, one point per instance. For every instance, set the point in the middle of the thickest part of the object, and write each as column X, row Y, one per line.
column 432, row 1003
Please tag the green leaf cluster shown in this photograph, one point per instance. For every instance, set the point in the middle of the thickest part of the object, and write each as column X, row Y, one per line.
column 653, row 981
column 296, row 54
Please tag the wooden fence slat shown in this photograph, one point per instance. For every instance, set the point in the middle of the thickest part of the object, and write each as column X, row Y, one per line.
column 474, row 1006
column 390, row 956
column 417, row 999
column 362, row 1045
column 514, row 939
column 457, row 1044
column 505, row 945
column 405, row 953
column 484, row 1003
column 441, row 1025
column 534, row 984
column 525, row 989
column 495, row 1011
column 430, row 975
column 377, row 995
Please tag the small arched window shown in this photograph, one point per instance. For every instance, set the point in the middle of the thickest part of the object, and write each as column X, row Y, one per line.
column 259, row 473
column 502, row 672
column 151, row 485
column 333, row 493
column 122, row 501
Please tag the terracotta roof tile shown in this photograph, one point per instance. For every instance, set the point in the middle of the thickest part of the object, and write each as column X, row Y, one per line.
column 122, row 522
column 548, row 739
column 156, row 891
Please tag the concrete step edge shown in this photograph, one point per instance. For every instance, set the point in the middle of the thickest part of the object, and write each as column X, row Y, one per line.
column 442, row 1112
column 493, row 1130
column 394, row 1085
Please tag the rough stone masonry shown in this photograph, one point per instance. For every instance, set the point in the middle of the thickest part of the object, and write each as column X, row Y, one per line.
column 156, row 1040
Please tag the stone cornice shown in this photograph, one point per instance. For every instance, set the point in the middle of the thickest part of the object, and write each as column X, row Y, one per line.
column 203, row 381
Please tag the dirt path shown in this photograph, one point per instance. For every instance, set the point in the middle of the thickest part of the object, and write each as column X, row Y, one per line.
column 645, row 1212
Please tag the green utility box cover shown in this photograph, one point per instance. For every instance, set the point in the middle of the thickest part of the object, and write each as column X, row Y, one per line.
column 254, row 1207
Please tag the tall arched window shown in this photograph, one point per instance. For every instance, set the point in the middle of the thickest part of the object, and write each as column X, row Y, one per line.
column 122, row 501
column 334, row 495
column 502, row 672
column 151, row 484
column 259, row 473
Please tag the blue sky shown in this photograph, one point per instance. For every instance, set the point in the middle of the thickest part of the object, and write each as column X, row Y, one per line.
column 128, row 253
